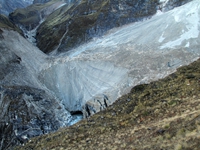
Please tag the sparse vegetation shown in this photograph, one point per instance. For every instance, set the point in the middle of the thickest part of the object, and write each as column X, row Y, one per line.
column 30, row 16
column 161, row 115
column 7, row 24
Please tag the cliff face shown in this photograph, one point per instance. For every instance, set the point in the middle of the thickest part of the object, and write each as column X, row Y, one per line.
column 27, row 112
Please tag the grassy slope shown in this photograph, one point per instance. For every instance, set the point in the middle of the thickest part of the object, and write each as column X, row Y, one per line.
column 161, row 115
column 30, row 14
column 5, row 23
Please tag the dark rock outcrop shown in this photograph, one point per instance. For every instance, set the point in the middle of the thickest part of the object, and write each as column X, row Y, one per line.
column 25, row 112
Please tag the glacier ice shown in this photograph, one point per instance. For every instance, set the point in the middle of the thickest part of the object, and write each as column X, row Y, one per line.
column 133, row 54
column 92, row 76
column 95, row 74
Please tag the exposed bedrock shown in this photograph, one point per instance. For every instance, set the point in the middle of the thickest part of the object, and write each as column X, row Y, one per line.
column 45, row 1
column 40, row 1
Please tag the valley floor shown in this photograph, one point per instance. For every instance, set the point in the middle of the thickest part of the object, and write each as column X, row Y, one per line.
column 161, row 115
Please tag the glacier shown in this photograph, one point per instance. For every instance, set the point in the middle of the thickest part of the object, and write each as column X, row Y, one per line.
column 93, row 75
column 41, row 93
column 127, row 56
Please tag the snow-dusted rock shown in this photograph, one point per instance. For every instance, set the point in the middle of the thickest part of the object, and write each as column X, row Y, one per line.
column 166, row 5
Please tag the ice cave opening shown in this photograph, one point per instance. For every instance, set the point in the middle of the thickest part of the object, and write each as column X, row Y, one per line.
column 76, row 117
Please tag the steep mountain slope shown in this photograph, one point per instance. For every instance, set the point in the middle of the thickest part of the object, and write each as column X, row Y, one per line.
column 31, row 16
column 92, row 76
column 86, row 19
column 6, row 23
column 79, row 23
column 8, row 6
column 161, row 115
column 28, row 109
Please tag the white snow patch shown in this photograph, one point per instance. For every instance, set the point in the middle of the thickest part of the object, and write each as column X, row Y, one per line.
column 164, row 1
column 159, row 12
column 190, row 21
column 187, row 45
column 161, row 38
column 61, row 6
